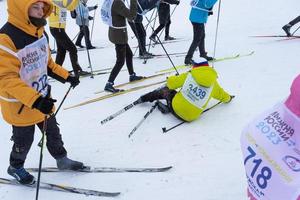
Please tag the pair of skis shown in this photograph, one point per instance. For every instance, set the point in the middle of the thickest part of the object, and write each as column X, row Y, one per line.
column 236, row 56
column 280, row 37
column 164, row 129
column 69, row 189
column 114, row 94
column 166, row 56
column 161, row 73
column 126, row 108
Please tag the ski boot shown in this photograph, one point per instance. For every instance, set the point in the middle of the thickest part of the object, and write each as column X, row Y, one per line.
column 21, row 175
column 65, row 163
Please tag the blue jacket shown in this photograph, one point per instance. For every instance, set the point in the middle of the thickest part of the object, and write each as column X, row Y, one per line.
column 199, row 12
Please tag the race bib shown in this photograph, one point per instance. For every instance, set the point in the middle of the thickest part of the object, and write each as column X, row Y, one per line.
column 195, row 93
column 106, row 12
column 62, row 15
column 34, row 61
column 194, row 2
column 271, row 149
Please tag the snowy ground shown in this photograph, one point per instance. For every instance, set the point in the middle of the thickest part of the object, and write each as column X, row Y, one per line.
column 205, row 154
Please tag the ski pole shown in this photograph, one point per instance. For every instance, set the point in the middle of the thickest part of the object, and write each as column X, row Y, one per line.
column 41, row 144
column 150, row 41
column 85, row 36
column 146, row 31
column 164, row 129
column 75, row 36
column 216, row 34
column 93, row 23
column 160, row 41
column 62, row 101
column 169, row 18
column 295, row 30
column 144, row 118
column 121, row 111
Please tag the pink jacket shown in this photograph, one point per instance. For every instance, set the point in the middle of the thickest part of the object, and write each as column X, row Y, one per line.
column 293, row 101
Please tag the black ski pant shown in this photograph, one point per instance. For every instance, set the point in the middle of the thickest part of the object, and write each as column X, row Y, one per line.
column 123, row 52
column 84, row 32
column 164, row 19
column 295, row 21
column 64, row 44
column 160, row 27
column 162, row 93
column 198, row 40
column 24, row 136
column 140, row 33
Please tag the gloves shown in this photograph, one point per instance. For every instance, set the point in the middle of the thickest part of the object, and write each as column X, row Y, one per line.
column 90, row 18
column 73, row 80
column 95, row 7
column 177, row 2
column 44, row 104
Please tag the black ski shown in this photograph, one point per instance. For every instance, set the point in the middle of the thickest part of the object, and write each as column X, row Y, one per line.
column 121, row 111
column 274, row 36
column 84, row 49
column 166, row 56
column 61, row 188
column 105, row 169
column 166, row 41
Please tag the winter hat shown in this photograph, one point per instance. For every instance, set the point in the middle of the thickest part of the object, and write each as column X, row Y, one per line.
column 293, row 101
column 201, row 63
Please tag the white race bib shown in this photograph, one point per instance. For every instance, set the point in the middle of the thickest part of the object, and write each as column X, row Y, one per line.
column 271, row 149
column 195, row 93
column 194, row 2
column 62, row 15
column 106, row 12
column 34, row 62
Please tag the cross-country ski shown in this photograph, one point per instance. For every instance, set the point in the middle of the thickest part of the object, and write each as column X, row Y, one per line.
column 106, row 169
column 62, row 188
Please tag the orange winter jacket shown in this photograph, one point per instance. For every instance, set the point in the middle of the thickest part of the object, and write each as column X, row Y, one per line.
column 17, row 33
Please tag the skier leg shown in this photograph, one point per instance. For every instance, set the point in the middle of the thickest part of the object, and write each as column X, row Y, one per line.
column 56, row 148
column 121, row 54
column 22, row 138
column 195, row 43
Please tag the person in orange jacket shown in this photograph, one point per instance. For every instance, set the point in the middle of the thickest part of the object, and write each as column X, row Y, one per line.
column 24, row 91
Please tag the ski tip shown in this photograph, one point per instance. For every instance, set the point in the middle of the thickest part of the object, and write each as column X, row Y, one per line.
column 167, row 168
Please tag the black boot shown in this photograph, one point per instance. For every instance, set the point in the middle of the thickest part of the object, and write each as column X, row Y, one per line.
column 79, row 45
column 110, row 88
column 189, row 61
column 169, row 38
column 208, row 58
column 65, row 163
column 134, row 77
column 164, row 109
column 21, row 175
column 153, row 39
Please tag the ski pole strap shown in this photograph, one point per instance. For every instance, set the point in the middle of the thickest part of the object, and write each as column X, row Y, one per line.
column 144, row 118
column 120, row 111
